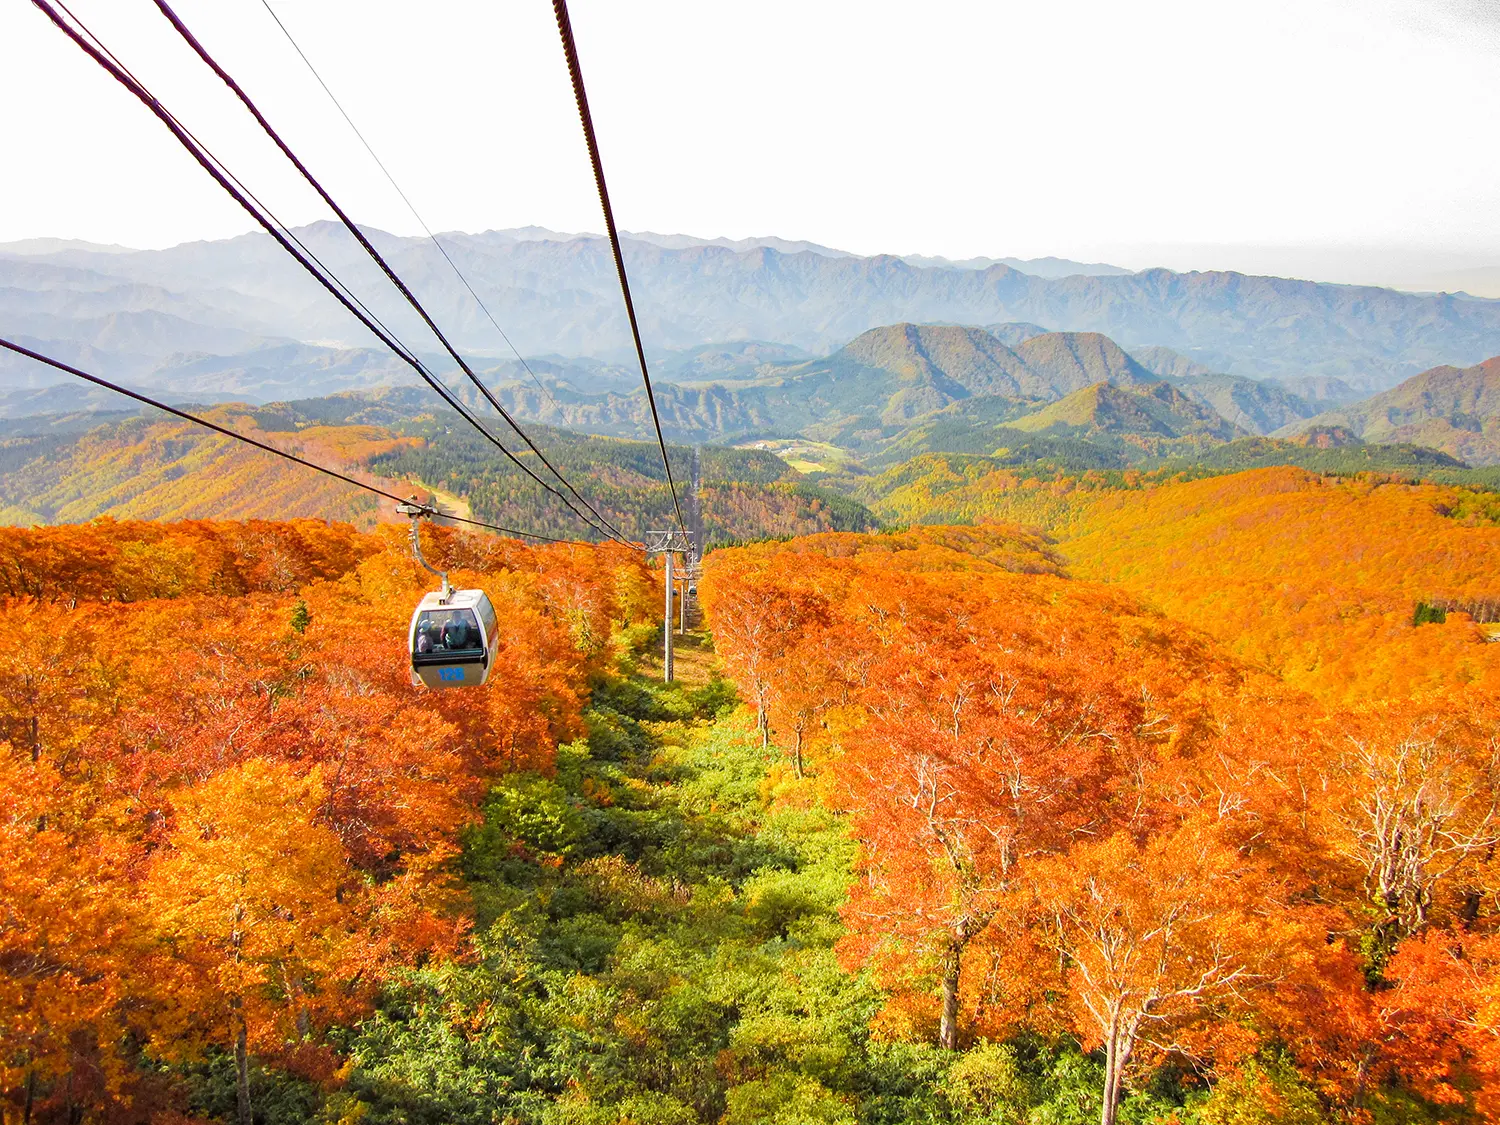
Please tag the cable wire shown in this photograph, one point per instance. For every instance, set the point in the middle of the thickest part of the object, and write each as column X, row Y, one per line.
column 275, row 227
column 369, row 248
column 204, row 422
column 575, row 71
column 95, row 49
column 403, row 351
column 410, row 206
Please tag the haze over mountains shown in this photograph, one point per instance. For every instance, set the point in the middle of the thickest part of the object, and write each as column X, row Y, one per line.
column 236, row 317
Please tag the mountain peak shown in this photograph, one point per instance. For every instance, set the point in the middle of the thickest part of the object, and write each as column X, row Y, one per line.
column 1327, row 437
column 1154, row 409
column 738, row 245
column 1013, row 332
column 913, row 350
column 38, row 247
column 1080, row 359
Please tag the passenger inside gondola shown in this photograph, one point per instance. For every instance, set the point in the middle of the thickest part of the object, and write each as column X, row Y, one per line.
column 448, row 630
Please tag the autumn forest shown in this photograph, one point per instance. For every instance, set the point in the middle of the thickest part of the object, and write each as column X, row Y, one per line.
column 1174, row 802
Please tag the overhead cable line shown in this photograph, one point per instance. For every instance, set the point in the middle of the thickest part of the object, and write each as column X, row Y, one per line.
column 204, row 422
column 278, row 230
column 369, row 248
column 90, row 45
column 410, row 206
column 575, row 71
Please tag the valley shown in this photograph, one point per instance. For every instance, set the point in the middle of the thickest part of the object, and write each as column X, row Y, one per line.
column 153, row 468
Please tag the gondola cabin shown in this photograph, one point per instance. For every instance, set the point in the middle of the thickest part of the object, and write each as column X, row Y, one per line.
column 452, row 639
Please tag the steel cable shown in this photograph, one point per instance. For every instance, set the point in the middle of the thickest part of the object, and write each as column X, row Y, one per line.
column 580, row 94
column 410, row 206
column 369, row 248
column 95, row 49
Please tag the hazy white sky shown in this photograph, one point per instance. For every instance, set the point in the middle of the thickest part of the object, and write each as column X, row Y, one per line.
column 1292, row 136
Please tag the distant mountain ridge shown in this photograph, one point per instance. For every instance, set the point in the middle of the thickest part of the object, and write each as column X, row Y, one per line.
column 1169, row 364
column 1047, row 267
column 739, row 245
column 1051, row 267
column 1014, row 332
column 558, row 295
column 863, row 394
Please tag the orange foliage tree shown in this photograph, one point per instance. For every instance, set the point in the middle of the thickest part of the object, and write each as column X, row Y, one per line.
column 1416, row 808
column 1442, row 1017
column 67, row 939
column 984, row 747
column 253, row 907
column 1153, row 933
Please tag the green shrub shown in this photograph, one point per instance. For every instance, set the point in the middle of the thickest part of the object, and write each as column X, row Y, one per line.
column 785, row 1099
column 1428, row 614
column 985, row 1086
column 525, row 815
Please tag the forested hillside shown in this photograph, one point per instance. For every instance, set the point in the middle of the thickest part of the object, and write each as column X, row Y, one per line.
column 984, row 825
column 164, row 468
column 1158, row 411
column 1317, row 579
column 1314, row 577
column 155, row 468
column 1457, row 411
column 742, row 494
column 1046, row 479
column 1081, row 821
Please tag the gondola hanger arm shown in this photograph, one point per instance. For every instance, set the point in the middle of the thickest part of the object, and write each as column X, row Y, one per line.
column 417, row 512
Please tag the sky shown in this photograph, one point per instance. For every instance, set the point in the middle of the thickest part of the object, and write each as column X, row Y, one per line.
column 1342, row 140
